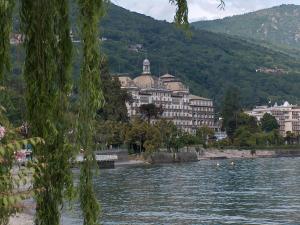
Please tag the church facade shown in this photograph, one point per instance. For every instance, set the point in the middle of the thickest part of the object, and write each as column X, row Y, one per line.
column 188, row 112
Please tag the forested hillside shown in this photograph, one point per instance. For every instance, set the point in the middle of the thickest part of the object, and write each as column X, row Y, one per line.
column 207, row 62
column 279, row 25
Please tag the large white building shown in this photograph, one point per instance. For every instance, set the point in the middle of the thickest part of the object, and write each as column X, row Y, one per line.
column 187, row 111
column 287, row 116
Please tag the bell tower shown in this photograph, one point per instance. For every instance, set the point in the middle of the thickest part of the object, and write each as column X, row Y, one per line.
column 146, row 67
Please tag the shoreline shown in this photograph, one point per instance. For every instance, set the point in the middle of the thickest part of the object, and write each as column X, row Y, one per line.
column 214, row 154
column 210, row 154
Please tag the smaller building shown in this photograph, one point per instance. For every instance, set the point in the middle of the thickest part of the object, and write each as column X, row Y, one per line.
column 287, row 116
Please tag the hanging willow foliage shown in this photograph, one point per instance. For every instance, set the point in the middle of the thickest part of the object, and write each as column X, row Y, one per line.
column 181, row 16
column 6, row 9
column 182, row 11
column 64, row 59
column 91, row 99
column 47, row 75
column 6, row 157
column 12, row 190
column 6, row 163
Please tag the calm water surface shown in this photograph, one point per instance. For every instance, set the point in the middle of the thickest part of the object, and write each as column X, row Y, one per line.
column 260, row 191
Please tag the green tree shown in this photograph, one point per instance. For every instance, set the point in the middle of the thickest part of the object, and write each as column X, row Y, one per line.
column 6, row 10
column 11, row 141
column 188, row 139
column 45, row 25
column 177, row 141
column 230, row 111
column 136, row 136
column 290, row 138
column 110, row 133
column 153, row 139
column 244, row 138
column 269, row 123
column 143, row 137
column 181, row 16
column 249, row 122
column 277, row 138
column 113, row 96
column 247, row 132
column 204, row 134
column 261, row 139
column 149, row 111
column 168, row 131
column 90, row 99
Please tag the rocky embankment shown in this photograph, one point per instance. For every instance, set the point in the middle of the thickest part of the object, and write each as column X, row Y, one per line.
column 234, row 154
column 216, row 154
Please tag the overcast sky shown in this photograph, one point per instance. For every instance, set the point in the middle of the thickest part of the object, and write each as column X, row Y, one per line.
column 199, row 9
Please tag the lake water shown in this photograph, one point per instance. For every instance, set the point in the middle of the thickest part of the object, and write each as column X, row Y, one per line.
column 260, row 191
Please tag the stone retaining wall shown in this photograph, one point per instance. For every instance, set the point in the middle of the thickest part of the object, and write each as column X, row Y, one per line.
column 288, row 153
column 166, row 157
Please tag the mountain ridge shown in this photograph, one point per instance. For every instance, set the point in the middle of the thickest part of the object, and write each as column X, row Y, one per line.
column 279, row 25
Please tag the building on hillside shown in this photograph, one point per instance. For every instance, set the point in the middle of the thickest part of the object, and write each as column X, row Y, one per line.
column 187, row 111
column 287, row 116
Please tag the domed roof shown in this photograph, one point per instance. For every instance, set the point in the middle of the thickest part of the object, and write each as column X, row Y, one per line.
column 126, row 81
column 145, row 81
column 175, row 86
column 167, row 76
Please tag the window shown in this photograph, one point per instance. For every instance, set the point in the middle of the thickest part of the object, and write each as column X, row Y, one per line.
column 144, row 99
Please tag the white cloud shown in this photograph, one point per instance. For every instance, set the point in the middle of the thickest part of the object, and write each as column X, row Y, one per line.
column 158, row 9
column 198, row 9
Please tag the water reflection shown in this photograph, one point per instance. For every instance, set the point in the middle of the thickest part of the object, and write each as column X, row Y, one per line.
column 261, row 191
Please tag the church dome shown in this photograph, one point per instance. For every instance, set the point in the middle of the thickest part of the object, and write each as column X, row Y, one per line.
column 167, row 76
column 175, row 86
column 145, row 81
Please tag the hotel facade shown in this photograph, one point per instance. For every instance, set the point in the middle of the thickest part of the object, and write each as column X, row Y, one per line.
column 287, row 116
column 188, row 112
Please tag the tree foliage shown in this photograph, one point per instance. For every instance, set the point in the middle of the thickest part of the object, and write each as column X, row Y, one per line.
column 47, row 67
column 230, row 110
column 269, row 123
column 114, row 97
column 11, row 193
column 182, row 11
column 90, row 100
column 111, row 133
column 249, row 134
column 12, row 141
column 149, row 111
column 181, row 16
column 168, row 132
column 204, row 134
column 136, row 135
column 249, row 26
column 6, row 10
